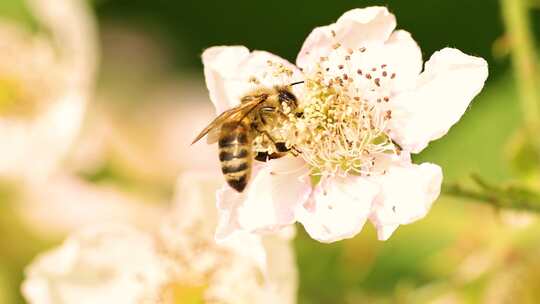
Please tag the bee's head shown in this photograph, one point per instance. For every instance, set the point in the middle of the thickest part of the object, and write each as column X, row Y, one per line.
column 286, row 96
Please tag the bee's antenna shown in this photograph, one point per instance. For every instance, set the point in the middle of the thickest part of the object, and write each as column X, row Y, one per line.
column 295, row 83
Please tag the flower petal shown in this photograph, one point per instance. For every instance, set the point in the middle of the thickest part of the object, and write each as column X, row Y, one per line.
column 194, row 200
column 403, row 56
column 194, row 210
column 282, row 272
column 449, row 83
column 103, row 264
column 232, row 71
column 339, row 208
column 354, row 29
column 269, row 201
column 407, row 193
column 220, row 65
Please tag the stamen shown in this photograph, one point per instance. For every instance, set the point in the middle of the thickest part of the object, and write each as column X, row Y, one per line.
column 342, row 129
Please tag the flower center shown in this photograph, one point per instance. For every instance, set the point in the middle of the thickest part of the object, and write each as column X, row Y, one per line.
column 15, row 100
column 342, row 128
column 179, row 292
column 199, row 267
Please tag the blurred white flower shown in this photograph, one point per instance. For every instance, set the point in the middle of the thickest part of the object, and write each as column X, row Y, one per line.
column 178, row 263
column 153, row 141
column 364, row 107
column 245, row 269
column 149, row 141
column 68, row 203
column 110, row 264
column 45, row 83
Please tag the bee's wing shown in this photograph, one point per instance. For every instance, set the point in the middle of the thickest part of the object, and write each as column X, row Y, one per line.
column 235, row 114
column 213, row 135
column 215, row 124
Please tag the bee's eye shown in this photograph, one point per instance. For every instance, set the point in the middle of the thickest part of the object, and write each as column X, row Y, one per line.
column 286, row 96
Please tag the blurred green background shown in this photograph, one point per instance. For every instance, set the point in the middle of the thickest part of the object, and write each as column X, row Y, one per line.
column 462, row 252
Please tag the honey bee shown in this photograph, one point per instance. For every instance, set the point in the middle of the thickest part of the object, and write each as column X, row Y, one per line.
column 258, row 113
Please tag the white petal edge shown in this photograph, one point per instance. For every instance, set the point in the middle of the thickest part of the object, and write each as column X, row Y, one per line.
column 449, row 83
column 354, row 29
column 338, row 208
column 268, row 203
column 407, row 193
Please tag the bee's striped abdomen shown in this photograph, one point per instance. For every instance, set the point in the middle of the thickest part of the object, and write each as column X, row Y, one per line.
column 235, row 154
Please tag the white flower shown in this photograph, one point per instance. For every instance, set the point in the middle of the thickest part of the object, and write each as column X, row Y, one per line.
column 245, row 269
column 109, row 264
column 178, row 263
column 45, row 83
column 365, row 106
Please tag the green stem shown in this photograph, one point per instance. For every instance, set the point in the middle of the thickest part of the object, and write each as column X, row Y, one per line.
column 514, row 198
column 518, row 29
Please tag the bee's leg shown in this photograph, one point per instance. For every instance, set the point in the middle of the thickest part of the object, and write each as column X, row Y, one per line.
column 294, row 151
column 281, row 147
column 276, row 155
column 265, row 156
column 262, row 156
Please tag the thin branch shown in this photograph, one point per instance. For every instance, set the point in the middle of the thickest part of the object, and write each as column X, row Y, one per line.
column 504, row 197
